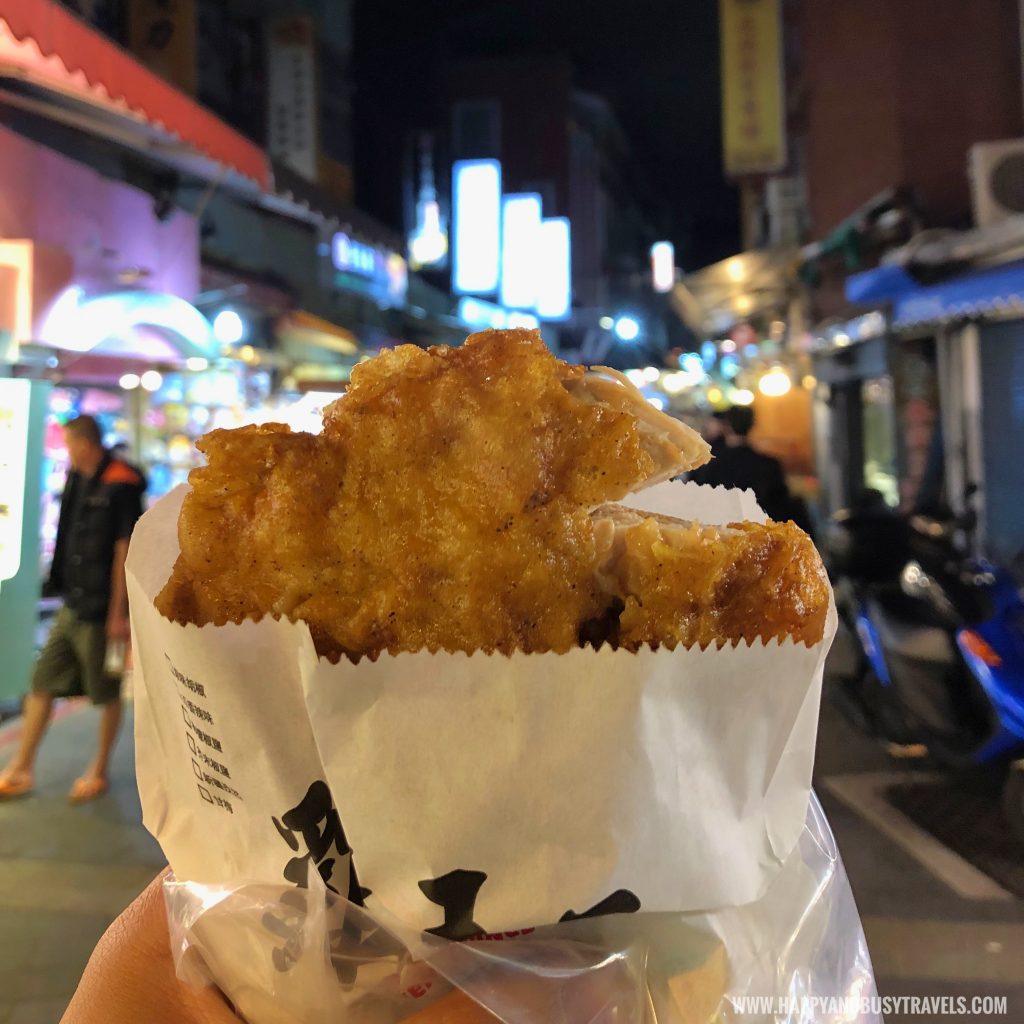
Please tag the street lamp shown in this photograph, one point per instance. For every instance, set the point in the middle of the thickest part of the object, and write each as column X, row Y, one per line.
column 775, row 383
column 627, row 328
column 228, row 327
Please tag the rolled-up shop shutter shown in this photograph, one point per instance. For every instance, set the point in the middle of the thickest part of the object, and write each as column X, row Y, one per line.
column 1002, row 416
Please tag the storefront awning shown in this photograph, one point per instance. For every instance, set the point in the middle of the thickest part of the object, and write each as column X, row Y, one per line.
column 52, row 63
column 995, row 292
column 749, row 284
column 301, row 330
column 852, row 327
column 883, row 284
column 299, row 194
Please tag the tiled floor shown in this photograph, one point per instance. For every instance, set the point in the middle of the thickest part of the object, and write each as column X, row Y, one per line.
column 65, row 872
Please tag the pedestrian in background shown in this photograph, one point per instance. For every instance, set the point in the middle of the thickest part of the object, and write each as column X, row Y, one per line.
column 101, row 503
column 121, row 452
column 713, row 431
column 737, row 464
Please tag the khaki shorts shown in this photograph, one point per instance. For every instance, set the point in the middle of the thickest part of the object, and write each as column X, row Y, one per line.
column 71, row 662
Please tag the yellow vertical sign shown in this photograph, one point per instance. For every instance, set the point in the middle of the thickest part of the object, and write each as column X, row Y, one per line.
column 162, row 34
column 753, row 126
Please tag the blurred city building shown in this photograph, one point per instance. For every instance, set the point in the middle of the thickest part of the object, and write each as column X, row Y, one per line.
column 179, row 249
column 878, row 151
column 562, row 148
column 917, row 359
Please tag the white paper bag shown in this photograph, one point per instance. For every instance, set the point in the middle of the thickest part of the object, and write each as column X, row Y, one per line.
column 477, row 793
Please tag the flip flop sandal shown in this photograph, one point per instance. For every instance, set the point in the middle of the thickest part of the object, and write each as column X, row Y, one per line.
column 85, row 790
column 13, row 790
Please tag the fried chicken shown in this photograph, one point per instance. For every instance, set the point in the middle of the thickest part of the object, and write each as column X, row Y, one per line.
column 676, row 582
column 445, row 505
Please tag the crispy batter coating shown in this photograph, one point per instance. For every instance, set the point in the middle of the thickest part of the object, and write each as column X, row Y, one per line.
column 445, row 505
column 684, row 583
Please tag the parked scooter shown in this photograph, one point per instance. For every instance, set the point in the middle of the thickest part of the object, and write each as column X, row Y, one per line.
column 939, row 640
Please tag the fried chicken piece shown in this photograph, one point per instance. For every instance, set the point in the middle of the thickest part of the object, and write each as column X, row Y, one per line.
column 675, row 582
column 444, row 506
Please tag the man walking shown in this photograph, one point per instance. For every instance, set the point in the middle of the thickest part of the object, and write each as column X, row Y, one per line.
column 101, row 503
column 736, row 464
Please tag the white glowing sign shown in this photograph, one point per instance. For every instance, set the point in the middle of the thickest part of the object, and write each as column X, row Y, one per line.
column 428, row 244
column 14, row 407
column 476, row 199
column 478, row 313
column 520, row 242
column 663, row 266
column 554, row 269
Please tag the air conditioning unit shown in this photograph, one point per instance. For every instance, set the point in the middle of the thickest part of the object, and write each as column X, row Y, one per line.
column 996, row 173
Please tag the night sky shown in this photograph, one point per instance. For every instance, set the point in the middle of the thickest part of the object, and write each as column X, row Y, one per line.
column 656, row 61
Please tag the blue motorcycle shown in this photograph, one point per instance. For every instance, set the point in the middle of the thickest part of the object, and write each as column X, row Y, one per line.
column 939, row 641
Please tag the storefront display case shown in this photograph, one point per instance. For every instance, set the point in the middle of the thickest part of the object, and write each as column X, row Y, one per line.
column 188, row 405
column 111, row 407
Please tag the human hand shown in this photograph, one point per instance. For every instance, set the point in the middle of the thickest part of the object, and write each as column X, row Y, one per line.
column 130, row 975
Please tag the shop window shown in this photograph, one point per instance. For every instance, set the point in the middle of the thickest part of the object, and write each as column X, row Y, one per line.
column 880, row 468
column 916, row 392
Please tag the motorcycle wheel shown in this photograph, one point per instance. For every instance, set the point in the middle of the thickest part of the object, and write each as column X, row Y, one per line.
column 871, row 708
column 1013, row 799
column 892, row 725
column 846, row 696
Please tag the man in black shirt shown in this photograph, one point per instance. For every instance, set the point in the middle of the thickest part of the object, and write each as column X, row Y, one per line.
column 101, row 503
column 736, row 464
column 713, row 432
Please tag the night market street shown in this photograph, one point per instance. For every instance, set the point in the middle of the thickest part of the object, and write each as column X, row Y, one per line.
column 531, row 386
column 935, row 926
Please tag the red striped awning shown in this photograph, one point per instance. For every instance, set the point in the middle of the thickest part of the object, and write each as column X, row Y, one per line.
column 46, row 45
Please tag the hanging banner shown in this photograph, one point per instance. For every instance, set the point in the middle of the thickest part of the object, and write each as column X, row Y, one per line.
column 292, row 103
column 162, row 35
column 753, row 123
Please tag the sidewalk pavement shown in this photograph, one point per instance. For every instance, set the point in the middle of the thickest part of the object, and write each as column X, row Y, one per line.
column 65, row 872
column 934, row 926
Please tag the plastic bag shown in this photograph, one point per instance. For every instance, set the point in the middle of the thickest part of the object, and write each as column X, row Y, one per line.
column 284, row 954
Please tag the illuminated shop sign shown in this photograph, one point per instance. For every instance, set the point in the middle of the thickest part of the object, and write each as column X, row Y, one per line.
column 663, row 266
column 428, row 241
column 476, row 195
column 378, row 272
column 14, row 411
column 554, row 269
column 478, row 313
column 520, row 242
column 504, row 247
